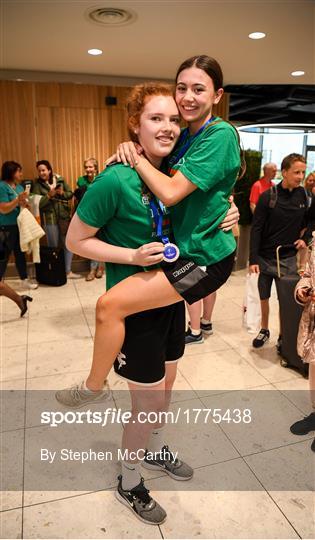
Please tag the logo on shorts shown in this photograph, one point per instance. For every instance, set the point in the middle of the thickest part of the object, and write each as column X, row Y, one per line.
column 121, row 359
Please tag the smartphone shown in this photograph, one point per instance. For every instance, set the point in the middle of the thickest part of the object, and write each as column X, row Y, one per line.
column 27, row 189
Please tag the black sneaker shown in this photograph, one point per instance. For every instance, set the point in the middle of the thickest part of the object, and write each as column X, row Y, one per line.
column 261, row 339
column 191, row 339
column 206, row 328
column 166, row 461
column 303, row 427
column 279, row 344
column 140, row 503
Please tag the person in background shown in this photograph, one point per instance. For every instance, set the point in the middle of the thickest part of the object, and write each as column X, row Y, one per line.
column 200, row 314
column 305, row 295
column 261, row 185
column 54, row 209
column 21, row 301
column 91, row 170
column 278, row 222
column 309, row 186
column 12, row 198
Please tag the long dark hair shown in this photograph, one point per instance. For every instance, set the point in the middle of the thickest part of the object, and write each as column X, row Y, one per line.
column 207, row 64
column 212, row 68
column 48, row 165
column 9, row 169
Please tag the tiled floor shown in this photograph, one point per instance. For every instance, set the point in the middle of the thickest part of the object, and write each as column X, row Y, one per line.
column 238, row 490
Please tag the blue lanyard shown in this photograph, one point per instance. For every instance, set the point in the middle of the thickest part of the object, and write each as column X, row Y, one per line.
column 175, row 158
column 157, row 212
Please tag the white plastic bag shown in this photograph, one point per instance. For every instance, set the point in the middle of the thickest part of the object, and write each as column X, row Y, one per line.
column 251, row 307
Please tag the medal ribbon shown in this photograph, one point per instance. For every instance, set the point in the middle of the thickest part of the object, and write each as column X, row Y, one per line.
column 158, row 214
column 175, row 159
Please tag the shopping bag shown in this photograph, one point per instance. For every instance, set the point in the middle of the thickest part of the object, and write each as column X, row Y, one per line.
column 251, row 306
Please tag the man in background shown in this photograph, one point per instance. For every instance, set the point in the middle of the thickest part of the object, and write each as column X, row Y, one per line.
column 264, row 183
column 279, row 219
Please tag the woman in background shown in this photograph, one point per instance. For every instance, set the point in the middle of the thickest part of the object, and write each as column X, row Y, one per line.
column 91, row 170
column 54, row 208
column 12, row 198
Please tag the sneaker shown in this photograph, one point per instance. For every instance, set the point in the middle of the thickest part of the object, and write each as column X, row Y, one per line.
column 206, row 328
column 179, row 470
column 191, row 339
column 261, row 339
column 29, row 284
column 77, row 397
column 279, row 344
column 72, row 275
column 140, row 503
column 303, row 427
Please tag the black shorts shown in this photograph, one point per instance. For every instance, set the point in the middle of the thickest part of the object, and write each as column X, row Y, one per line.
column 153, row 338
column 268, row 273
column 193, row 283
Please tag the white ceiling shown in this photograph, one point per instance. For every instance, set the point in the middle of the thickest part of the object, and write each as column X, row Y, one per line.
column 54, row 36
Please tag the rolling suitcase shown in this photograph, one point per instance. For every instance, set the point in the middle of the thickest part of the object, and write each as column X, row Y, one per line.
column 51, row 270
column 290, row 315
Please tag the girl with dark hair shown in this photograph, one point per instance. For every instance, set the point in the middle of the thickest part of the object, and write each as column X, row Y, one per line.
column 12, row 198
column 204, row 167
column 54, row 209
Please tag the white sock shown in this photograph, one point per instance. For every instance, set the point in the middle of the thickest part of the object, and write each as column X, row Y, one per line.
column 156, row 441
column 205, row 321
column 195, row 332
column 131, row 475
column 86, row 389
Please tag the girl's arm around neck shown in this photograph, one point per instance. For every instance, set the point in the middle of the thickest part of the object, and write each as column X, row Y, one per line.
column 169, row 190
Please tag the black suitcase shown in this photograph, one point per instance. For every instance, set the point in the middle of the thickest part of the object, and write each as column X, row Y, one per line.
column 51, row 269
column 290, row 315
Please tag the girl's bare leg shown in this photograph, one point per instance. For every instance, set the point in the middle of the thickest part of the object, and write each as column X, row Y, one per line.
column 194, row 311
column 208, row 305
column 140, row 292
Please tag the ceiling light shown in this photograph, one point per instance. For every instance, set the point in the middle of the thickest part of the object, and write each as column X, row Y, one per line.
column 297, row 73
column 107, row 16
column 95, row 52
column 257, row 35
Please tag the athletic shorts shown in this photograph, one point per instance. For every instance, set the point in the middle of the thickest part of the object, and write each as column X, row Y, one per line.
column 192, row 282
column 153, row 338
column 268, row 273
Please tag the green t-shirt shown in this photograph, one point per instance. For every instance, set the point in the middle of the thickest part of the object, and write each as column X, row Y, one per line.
column 212, row 163
column 7, row 194
column 116, row 204
column 83, row 181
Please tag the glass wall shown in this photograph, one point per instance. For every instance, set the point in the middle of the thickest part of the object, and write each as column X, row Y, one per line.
column 277, row 141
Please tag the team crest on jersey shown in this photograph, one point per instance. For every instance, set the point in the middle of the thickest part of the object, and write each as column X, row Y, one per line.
column 146, row 199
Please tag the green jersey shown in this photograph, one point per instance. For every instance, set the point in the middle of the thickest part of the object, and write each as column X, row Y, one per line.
column 119, row 206
column 84, row 181
column 8, row 194
column 211, row 162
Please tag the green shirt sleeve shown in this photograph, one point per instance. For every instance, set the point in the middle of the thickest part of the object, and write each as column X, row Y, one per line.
column 212, row 158
column 101, row 200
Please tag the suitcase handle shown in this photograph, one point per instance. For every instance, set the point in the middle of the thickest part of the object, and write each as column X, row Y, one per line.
column 278, row 256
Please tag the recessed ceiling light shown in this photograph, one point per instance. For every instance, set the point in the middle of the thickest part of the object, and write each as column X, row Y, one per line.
column 19, row 80
column 297, row 73
column 95, row 52
column 257, row 35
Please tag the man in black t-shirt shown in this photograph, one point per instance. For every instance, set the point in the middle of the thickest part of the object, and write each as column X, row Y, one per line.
column 279, row 219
